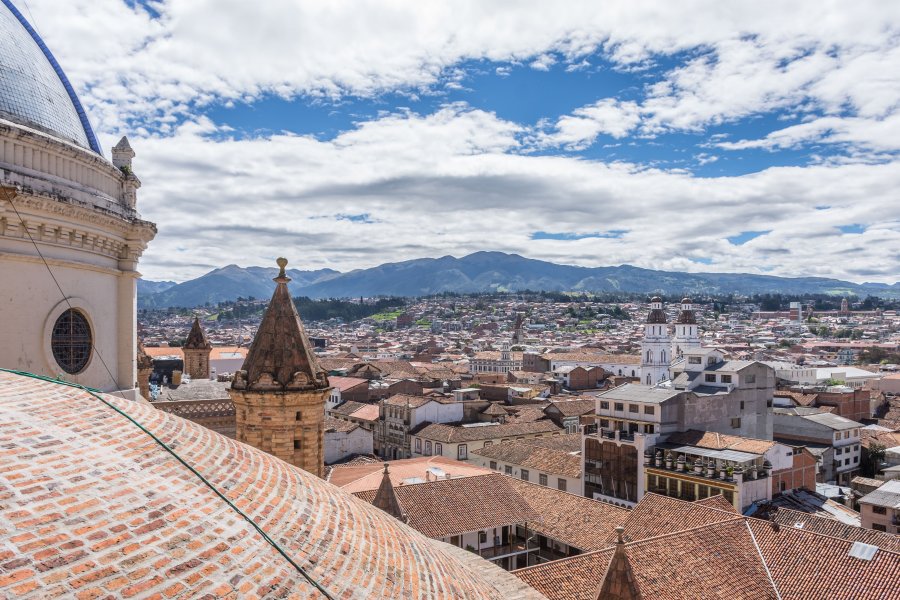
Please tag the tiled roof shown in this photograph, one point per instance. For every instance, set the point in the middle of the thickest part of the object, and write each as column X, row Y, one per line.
column 407, row 399
column 717, row 501
column 799, row 398
column 450, row 434
column 574, row 408
column 92, row 507
column 346, row 383
column 570, row 518
column 338, row 425
column 590, row 357
column 809, row 565
column 834, row 528
column 720, row 441
column 357, row 478
column 349, row 407
column 677, row 554
column 367, row 412
column 536, row 457
column 711, row 561
column 454, row 506
column 658, row 515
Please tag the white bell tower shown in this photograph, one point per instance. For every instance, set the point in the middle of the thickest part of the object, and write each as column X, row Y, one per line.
column 656, row 347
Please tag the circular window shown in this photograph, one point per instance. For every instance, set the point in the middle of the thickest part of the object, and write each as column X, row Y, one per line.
column 71, row 341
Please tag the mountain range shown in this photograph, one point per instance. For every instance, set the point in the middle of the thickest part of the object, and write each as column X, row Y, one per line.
column 483, row 272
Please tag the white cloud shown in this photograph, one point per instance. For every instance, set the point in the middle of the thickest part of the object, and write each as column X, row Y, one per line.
column 581, row 128
column 450, row 183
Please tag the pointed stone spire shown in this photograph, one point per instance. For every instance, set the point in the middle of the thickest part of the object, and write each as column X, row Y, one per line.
column 618, row 581
column 281, row 357
column 386, row 498
column 196, row 339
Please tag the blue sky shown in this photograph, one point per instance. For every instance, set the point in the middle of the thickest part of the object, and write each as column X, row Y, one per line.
column 680, row 137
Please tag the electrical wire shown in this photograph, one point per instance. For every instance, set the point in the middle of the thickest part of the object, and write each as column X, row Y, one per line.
column 96, row 394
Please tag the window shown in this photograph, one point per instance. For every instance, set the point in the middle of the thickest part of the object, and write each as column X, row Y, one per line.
column 418, row 445
column 837, row 436
column 439, row 449
column 494, row 465
column 524, row 474
column 879, row 510
column 710, row 377
column 427, row 448
column 507, row 469
column 735, row 423
column 742, row 404
column 750, row 378
column 846, row 461
column 846, row 434
column 299, row 416
column 462, row 452
column 649, row 410
column 633, row 408
column 604, row 405
column 296, row 444
column 856, row 447
column 694, row 360
column 648, row 428
column 878, row 527
column 619, row 406
column 838, row 451
column 488, row 443
column 855, row 432
column 855, row 459
column 782, row 486
column 71, row 341
column 726, row 379
column 542, row 479
column 604, row 422
column 561, row 484
column 482, row 537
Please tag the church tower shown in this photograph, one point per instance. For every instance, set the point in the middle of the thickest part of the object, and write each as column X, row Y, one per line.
column 687, row 334
column 656, row 350
column 196, row 352
column 518, row 336
column 279, row 394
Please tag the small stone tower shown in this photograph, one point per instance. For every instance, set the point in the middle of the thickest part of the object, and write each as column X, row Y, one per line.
column 656, row 346
column 279, row 394
column 196, row 352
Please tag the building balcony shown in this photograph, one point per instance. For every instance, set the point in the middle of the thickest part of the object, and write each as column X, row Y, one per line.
column 516, row 546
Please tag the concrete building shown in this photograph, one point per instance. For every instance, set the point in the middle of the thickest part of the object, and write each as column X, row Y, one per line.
column 836, row 439
column 279, row 395
column 880, row 510
column 344, row 440
column 63, row 203
column 402, row 413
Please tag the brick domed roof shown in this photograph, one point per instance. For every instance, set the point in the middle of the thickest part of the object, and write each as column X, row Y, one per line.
column 94, row 506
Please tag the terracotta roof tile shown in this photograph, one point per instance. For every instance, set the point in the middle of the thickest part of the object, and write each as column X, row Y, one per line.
column 574, row 520
column 453, row 506
column 456, row 433
column 93, row 506
column 536, row 456
column 834, row 528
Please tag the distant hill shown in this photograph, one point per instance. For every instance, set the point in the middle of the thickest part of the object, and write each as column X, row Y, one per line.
column 493, row 272
column 227, row 283
column 145, row 287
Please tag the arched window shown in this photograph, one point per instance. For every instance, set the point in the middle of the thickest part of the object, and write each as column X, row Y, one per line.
column 72, row 341
column 648, row 378
column 662, row 357
column 649, row 355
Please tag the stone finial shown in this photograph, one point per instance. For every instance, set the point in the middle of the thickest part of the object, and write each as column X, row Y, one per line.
column 122, row 154
column 619, row 581
column 282, row 263
column 620, row 535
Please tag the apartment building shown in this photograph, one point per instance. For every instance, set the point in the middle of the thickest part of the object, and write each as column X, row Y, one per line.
column 835, row 439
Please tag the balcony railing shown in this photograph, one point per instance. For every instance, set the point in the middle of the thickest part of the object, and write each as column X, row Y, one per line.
column 515, row 546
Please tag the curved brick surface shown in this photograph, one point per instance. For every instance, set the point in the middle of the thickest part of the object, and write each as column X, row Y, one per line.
column 91, row 507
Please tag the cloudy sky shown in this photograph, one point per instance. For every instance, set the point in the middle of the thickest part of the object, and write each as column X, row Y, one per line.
column 699, row 136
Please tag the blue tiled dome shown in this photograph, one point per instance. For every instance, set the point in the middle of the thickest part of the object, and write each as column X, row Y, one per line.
column 34, row 90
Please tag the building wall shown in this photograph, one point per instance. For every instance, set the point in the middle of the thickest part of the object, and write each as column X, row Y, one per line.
column 801, row 473
column 289, row 425
column 340, row 445
column 196, row 363
column 570, row 484
column 888, row 522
